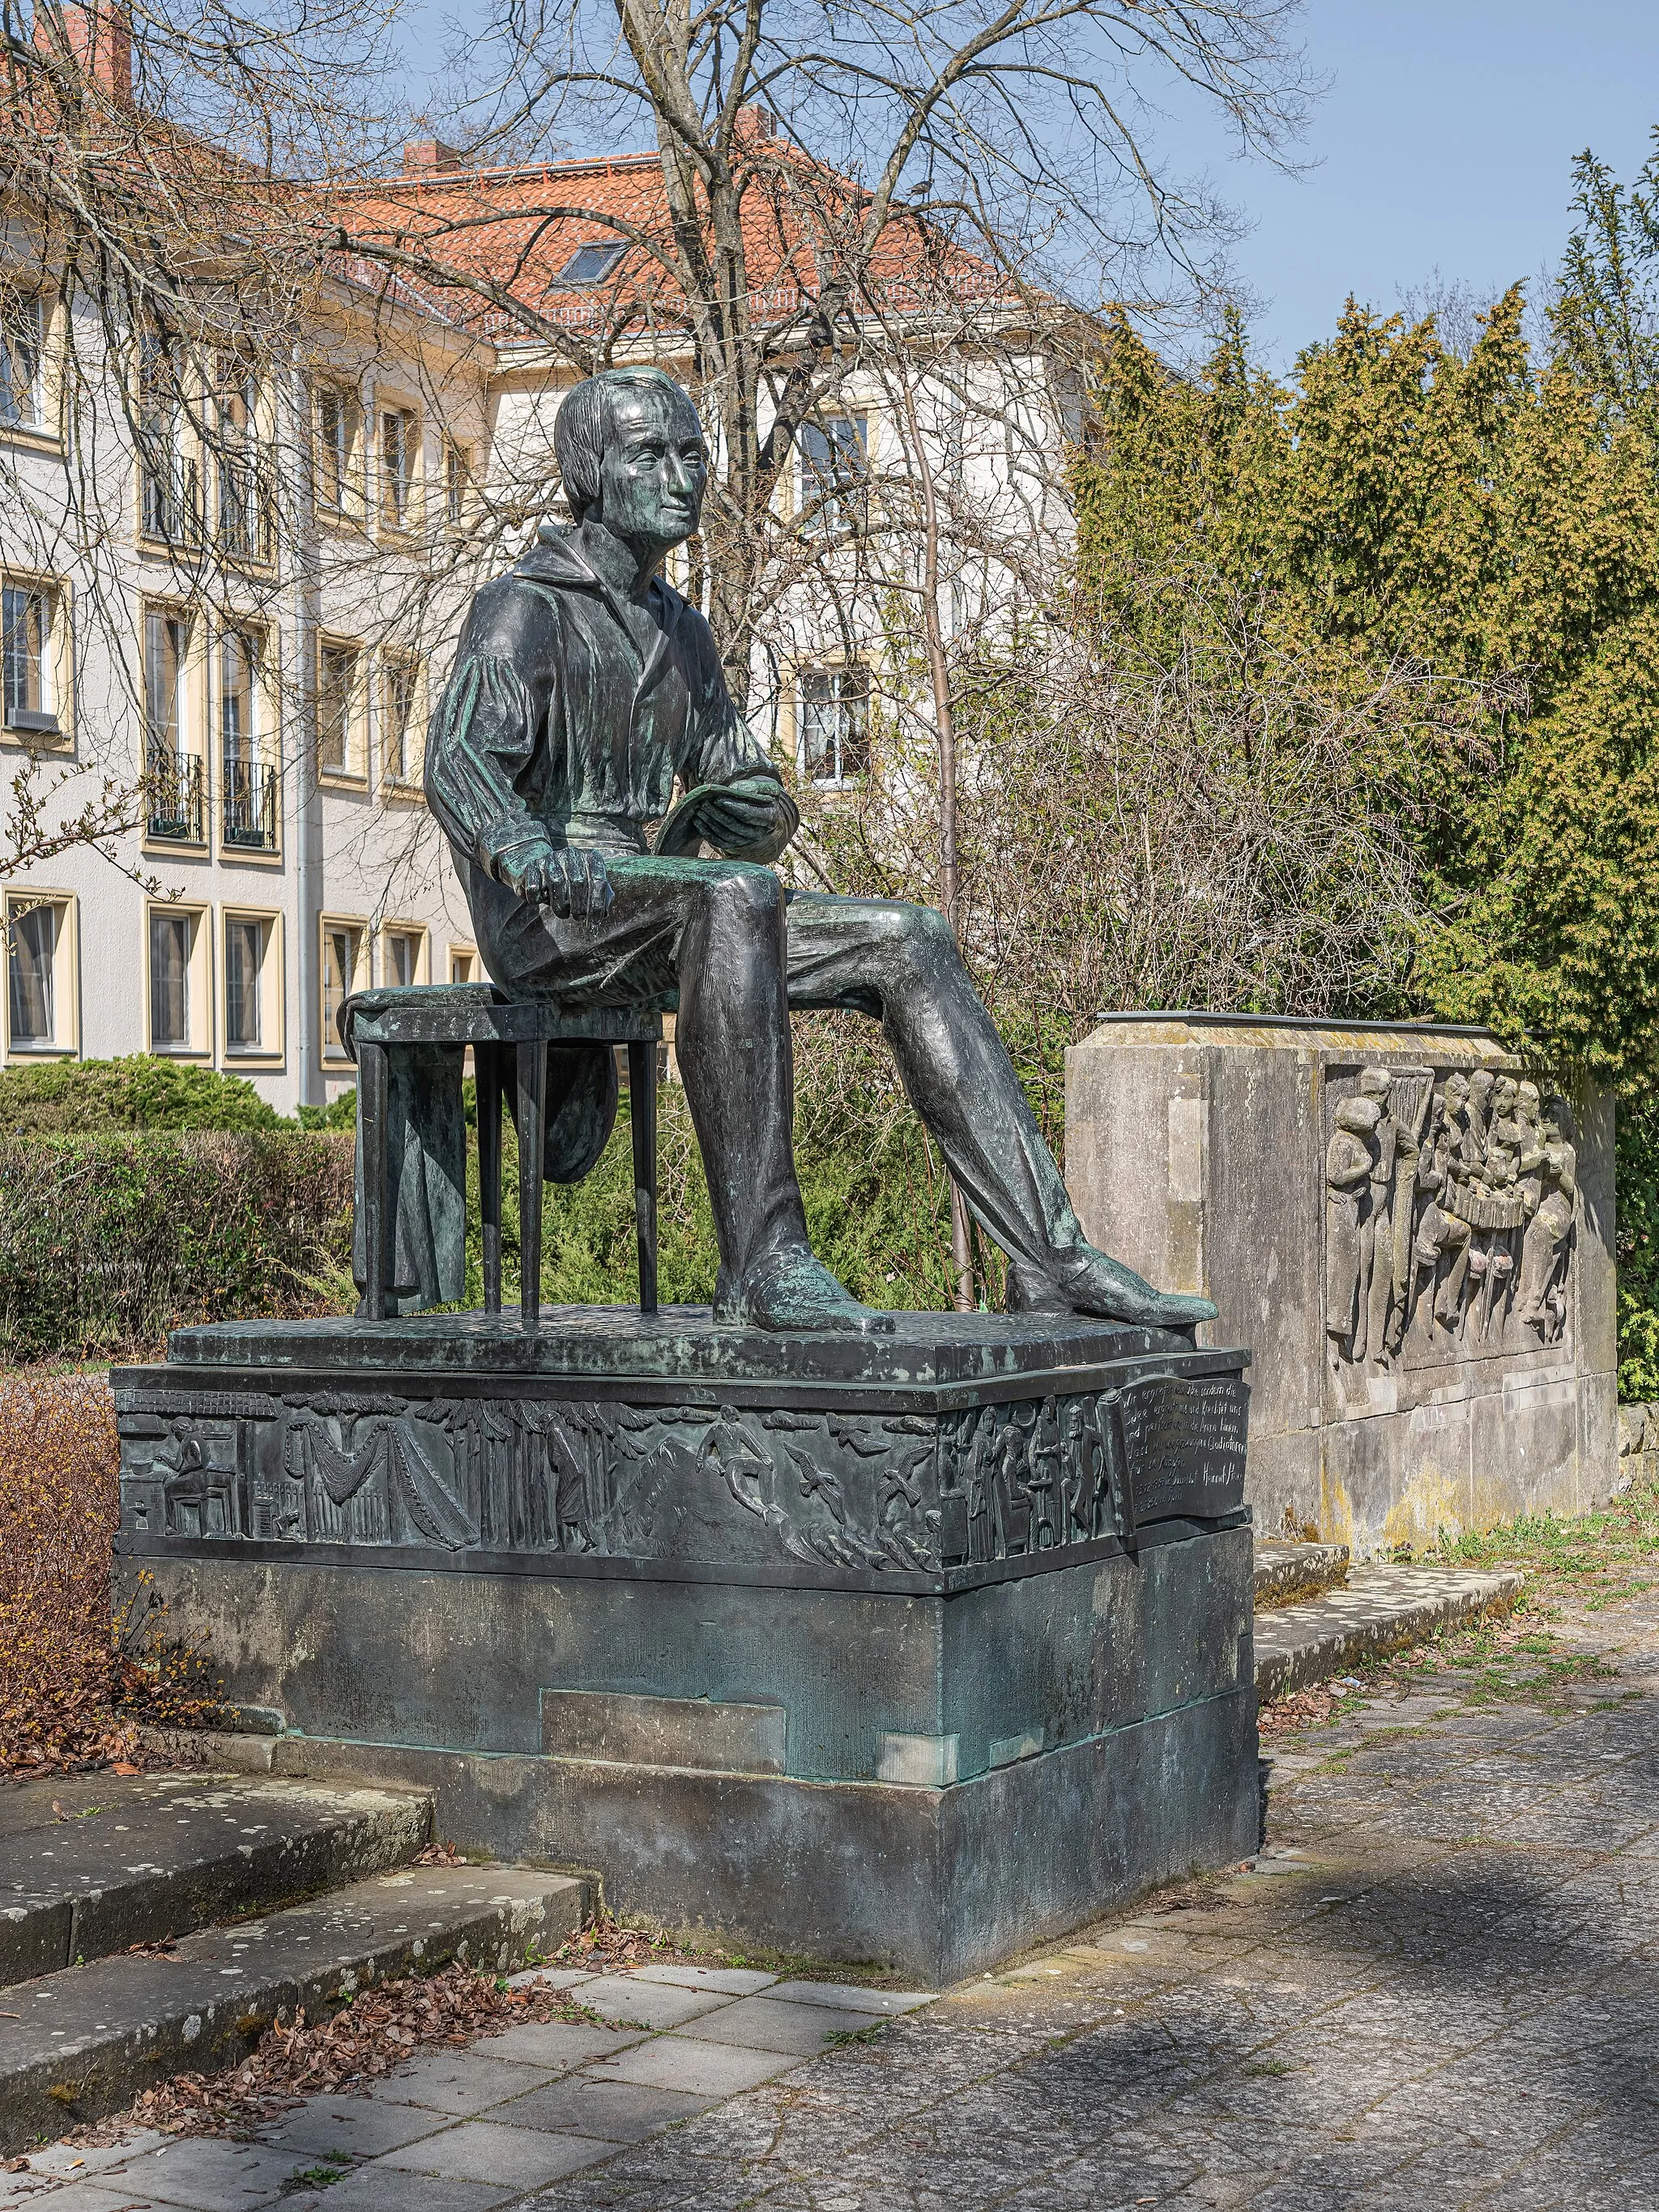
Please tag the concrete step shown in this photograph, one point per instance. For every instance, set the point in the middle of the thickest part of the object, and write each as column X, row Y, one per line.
column 86, row 2040
column 1287, row 1573
column 1382, row 1609
column 95, row 1862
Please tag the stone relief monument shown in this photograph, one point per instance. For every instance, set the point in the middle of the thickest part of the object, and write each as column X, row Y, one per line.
column 1450, row 1220
column 1414, row 1236
column 908, row 1635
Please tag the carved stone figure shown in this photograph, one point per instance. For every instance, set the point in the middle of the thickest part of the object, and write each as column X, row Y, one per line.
column 584, row 688
column 1377, row 1229
column 1449, row 1216
column 1544, row 1248
column 1348, row 1160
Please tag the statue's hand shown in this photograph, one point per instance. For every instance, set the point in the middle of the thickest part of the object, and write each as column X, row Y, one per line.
column 740, row 815
column 568, row 877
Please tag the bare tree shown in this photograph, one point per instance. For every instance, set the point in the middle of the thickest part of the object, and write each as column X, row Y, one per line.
column 802, row 151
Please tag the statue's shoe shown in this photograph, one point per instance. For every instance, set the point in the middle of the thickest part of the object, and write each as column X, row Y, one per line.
column 1090, row 1283
column 794, row 1291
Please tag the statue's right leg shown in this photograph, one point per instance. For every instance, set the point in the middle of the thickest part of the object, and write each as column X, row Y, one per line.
column 732, row 1040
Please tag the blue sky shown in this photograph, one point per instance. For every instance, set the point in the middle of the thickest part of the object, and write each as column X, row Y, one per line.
column 1445, row 141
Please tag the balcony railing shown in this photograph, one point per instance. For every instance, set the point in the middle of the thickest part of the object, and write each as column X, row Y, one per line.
column 178, row 809
column 250, row 805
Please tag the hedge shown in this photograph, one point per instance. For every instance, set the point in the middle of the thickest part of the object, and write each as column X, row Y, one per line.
column 108, row 1242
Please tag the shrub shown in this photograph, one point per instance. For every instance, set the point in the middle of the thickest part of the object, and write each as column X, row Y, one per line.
column 66, row 1664
column 81, row 1098
column 108, row 1242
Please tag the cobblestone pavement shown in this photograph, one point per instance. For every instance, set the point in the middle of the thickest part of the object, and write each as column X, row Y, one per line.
column 1436, row 1989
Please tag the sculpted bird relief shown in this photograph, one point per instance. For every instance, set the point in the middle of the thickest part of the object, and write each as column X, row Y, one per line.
column 1449, row 1212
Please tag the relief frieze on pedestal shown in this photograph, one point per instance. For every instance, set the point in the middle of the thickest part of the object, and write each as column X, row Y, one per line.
column 1449, row 1218
column 869, row 1493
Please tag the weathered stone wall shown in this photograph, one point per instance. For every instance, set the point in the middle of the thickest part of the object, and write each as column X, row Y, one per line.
column 1638, row 1445
column 1417, row 1245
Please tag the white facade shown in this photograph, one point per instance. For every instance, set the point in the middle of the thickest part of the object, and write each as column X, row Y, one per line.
column 290, row 854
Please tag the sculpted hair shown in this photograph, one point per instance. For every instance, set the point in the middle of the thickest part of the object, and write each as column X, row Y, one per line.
column 585, row 425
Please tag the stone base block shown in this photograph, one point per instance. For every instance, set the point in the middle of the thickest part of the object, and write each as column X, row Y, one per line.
column 924, row 1653
column 970, row 1775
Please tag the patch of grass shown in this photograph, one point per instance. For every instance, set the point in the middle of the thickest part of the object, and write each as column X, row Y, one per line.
column 838, row 2038
column 1597, row 1559
column 332, row 2168
column 1272, row 2066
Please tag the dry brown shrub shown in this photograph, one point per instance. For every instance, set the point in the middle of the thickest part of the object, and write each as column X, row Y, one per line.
column 73, row 1679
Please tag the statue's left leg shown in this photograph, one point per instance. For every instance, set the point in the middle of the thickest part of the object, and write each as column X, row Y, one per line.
column 899, row 965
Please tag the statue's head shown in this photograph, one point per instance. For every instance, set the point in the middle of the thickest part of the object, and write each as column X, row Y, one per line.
column 631, row 454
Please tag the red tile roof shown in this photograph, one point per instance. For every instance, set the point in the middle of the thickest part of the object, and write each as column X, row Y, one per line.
column 515, row 231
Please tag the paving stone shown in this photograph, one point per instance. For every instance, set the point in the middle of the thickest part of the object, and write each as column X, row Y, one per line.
column 507, row 2158
column 851, row 1997
column 699, row 2068
column 80, row 2162
column 364, row 2126
column 616, row 2112
column 626, row 2002
column 205, row 2174
column 768, row 2024
column 100, row 2195
column 460, row 2082
column 731, row 1981
column 557, row 2044
column 373, row 2189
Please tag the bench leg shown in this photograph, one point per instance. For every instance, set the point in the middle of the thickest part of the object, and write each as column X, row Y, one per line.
column 486, row 1063
column 532, row 1129
column 643, row 1111
column 373, row 1085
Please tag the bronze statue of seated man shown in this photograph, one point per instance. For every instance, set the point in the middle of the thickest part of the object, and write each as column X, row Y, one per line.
column 584, row 686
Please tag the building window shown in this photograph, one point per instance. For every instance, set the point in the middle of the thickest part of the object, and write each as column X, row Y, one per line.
column 172, row 947
column 33, row 969
column 833, row 477
column 244, row 493
column 405, row 952
column 245, row 960
column 834, row 724
column 26, row 619
column 458, row 483
column 400, row 447
column 337, row 708
column 22, row 325
column 250, row 783
column 463, row 965
column 168, row 476
column 176, row 809
column 592, row 262
column 338, row 420
column 399, row 689
column 343, row 951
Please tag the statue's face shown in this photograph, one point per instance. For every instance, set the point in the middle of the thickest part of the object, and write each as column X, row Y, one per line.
column 655, row 469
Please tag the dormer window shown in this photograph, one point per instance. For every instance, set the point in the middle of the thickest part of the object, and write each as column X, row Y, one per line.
column 592, row 263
